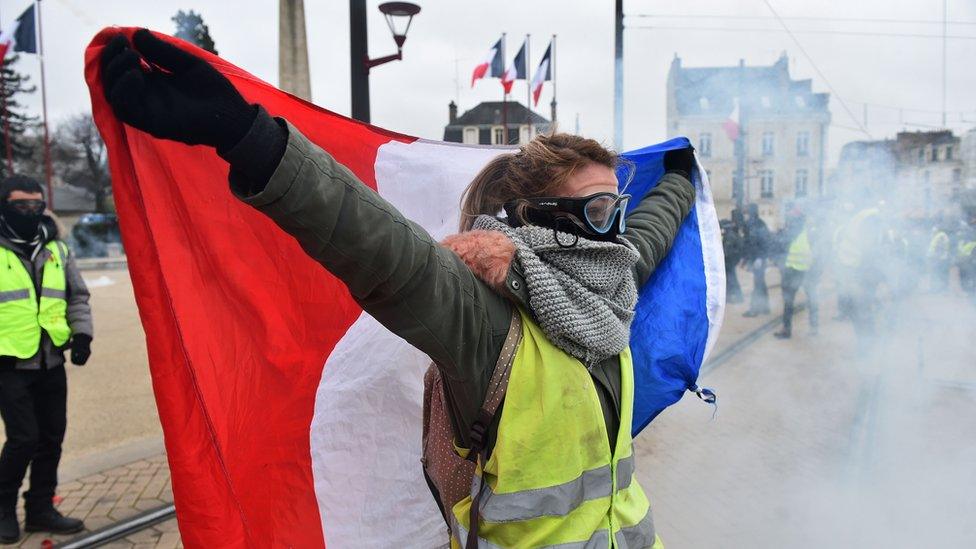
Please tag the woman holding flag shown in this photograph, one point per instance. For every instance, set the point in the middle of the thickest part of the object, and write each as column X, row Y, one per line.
column 547, row 293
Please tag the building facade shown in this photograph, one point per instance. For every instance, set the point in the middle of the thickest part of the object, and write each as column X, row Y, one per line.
column 921, row 173
column 485, row 124
column 780, row 139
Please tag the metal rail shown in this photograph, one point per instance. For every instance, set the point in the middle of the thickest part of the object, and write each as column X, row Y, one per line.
column 121, row 529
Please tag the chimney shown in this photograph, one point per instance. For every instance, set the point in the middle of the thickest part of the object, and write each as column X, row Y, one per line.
column 452, row 113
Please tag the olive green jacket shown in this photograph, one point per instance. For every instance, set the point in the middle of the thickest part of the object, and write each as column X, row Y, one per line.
column 420, row 290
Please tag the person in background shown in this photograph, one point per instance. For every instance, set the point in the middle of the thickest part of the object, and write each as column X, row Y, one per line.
column 732, row 244
column 966, row 254
column 798, row 262
column 43, row 311
column 939, row 259
column 755, row 253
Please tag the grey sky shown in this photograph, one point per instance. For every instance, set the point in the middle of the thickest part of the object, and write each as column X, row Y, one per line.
column 411, row 96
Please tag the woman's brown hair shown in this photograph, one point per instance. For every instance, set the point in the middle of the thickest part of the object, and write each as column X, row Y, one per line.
column 539, row 168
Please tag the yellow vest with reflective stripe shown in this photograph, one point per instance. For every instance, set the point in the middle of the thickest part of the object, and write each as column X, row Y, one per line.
column 939, row 246
column 800, row 256
column 551, row 478
column 22, row 314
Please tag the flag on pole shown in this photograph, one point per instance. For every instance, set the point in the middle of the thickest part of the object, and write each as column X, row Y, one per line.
column 20, row 34
column 291, row 417
column 731, row 124
column 493, row 61
column 517, row 69
column 542, row 74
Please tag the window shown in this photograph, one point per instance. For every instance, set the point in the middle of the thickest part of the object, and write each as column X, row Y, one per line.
column 470, row 135
column 767, row 143
column 803, row 144
column 801, row 183
column 948, row 152
column 703, row 103
column 498, row 136
column 526, row 134
column 935, row 154
column 705, row 145
column 921, row 155
column 766, row 183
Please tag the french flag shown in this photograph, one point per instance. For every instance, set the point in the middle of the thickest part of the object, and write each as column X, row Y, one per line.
column 493, row 61
column 542, row 74
column 291, row 418
column 517, row 70
column 20, row 35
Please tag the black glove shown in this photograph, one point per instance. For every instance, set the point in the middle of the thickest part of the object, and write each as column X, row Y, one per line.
column 80, row 349
column 171, row 94
column 680, row 160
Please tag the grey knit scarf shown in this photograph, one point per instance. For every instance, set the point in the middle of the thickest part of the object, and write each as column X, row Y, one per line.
column 583, row 296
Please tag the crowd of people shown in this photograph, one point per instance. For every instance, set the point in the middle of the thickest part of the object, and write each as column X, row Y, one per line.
column 877, row 256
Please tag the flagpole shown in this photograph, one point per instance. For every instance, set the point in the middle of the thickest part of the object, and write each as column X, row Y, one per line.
column 47, row 142
column 6, row 122
column 504, row 98
column 552, row 61
column 528, row 85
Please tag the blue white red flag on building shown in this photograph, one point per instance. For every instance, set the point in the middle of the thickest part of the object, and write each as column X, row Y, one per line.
column 291, row 418
column 20, row 34
column 492, row 66
column 517, row 69
column 543, row 73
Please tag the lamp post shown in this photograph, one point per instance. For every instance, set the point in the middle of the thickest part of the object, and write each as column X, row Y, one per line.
column 398, row 15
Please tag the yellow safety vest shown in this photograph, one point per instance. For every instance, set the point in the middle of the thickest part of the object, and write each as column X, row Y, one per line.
column 800, row 256
column 939, row 246
column 966, row 248
column 22, row 314
column 851, row 243
column 551, row 478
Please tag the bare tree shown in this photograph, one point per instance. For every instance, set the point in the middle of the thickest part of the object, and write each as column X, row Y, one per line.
column 79, row 158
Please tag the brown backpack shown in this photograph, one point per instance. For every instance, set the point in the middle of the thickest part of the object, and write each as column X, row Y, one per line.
column 449, row 476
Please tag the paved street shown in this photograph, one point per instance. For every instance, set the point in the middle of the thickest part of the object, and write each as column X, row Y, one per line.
column 811, row 444
column 814, row 445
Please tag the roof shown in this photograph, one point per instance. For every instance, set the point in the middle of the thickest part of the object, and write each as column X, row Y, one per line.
column 490, row 113
column 713, row 90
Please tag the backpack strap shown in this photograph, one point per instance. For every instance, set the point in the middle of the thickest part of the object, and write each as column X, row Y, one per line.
column 494, row 396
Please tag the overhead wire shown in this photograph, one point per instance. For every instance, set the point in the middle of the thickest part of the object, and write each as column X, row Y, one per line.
column 817, row 69
column 801, row 18
column 812, row 31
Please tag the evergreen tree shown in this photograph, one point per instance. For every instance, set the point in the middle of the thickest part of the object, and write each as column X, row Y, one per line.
column 190, row 27
column 18, row 122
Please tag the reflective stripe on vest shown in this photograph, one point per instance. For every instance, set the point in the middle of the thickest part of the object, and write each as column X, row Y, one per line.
column 800, row 256
column 22, row 314
column 551, row 480
column 939, row 246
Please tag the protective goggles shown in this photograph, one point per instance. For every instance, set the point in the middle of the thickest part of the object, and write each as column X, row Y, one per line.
column 595, row 215
column 27, row 206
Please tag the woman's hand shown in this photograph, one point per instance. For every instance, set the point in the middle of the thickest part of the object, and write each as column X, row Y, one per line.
column 171, row 94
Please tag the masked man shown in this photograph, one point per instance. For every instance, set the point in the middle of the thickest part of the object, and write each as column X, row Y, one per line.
column 43, row 311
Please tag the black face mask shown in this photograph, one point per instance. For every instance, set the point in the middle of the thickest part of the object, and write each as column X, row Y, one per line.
column 23, row 222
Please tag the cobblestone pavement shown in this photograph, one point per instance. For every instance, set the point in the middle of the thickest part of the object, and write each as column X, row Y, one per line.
column 821, row 442
column 119, row 493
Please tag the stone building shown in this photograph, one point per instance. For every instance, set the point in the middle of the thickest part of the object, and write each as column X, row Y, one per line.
column 922, row 173
column 483, row 124
column 782, row 127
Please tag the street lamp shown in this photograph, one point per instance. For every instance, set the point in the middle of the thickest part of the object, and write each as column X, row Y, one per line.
column 398, row 16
